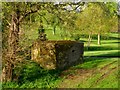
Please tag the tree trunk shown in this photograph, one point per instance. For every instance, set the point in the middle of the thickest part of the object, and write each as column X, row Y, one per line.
column 54, row 28
column 99, row 41
column 89, row 39
column 13, row 40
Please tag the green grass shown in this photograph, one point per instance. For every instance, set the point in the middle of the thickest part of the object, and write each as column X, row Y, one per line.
column 97, row 65
column 110, row 82
column 33, row 76
column 95, row 62
column 102, row 53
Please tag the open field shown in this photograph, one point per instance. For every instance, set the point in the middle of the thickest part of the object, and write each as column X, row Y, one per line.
column 99, row 70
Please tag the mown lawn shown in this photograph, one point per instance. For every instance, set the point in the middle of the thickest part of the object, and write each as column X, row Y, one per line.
column 99, row 70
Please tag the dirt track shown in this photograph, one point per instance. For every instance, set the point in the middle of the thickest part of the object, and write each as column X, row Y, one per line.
column 73, row 77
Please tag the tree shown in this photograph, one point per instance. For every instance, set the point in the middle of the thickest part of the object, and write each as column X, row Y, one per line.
column 113, row 11
column 13, row 18
column 14, row 15
column 95, row 19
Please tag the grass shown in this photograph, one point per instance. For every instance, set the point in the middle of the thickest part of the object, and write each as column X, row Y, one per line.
column 33, row 76
column 93, row 69
column 95, row 72
column 102, row 53
column 95, row 62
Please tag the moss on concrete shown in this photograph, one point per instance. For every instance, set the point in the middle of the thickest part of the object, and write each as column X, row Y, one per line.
column 57, row 54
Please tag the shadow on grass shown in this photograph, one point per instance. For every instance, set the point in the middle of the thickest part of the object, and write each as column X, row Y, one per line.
column 111, row 42
column 32, row 71
column 110, row 54
column 114, row 38
column 100, row 48
column 93, row 62
column 83, row 41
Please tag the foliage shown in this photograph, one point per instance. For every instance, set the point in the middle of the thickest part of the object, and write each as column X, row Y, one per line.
column 93, row 19
column 97, row 18
column 76, row 37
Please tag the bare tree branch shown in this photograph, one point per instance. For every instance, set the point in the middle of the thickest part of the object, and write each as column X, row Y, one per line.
column 28, row 13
